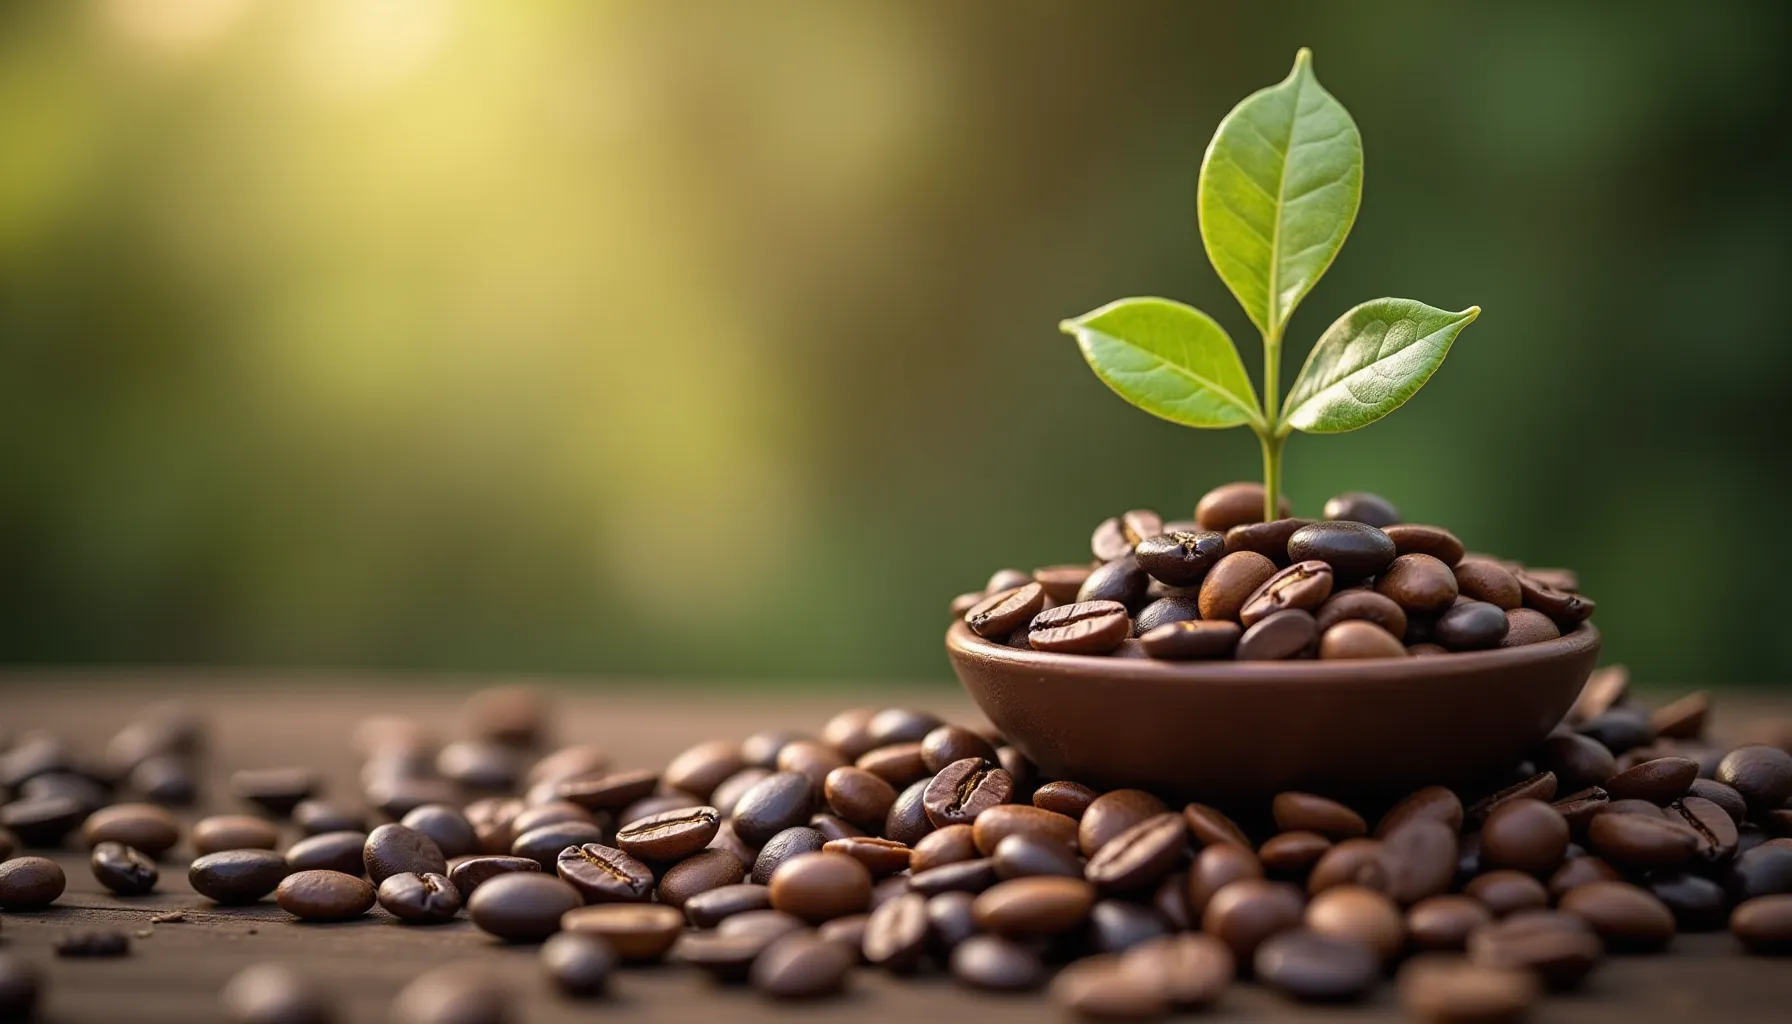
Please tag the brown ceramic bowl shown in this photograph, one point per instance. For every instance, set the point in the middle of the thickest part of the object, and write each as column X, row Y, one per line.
column 1236, row 732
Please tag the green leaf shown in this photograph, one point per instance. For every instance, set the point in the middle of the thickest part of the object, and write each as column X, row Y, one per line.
column 1280, row 187
column 1370, row 362
column 1168, row 359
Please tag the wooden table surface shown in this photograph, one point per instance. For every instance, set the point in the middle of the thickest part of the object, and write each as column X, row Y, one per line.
column 175, row 971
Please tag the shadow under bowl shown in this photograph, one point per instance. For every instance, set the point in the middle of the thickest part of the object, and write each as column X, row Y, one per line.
column 1234, row 733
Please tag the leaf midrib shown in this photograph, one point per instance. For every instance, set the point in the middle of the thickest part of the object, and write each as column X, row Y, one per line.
column 1273, row 336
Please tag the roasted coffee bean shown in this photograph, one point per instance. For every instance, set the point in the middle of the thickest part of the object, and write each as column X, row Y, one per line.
column 274, row 790
column 1505, row 892
column 1660, row 781
column 1350, row 861
column 1116, row 926
column 1191, row 639
column 1576, row 761
column 494, row 822
column 1566, row 609
column 1623, row 915
column 994, row 964
column 607, row 792
column 1444, row 922
column 810, row 758
column 899, row 764
column 999, row 822
column 907, row 821
column 637, row 932
column 1006, row 579
column 1578, row 871
column 950, row 743
column 1235, row 504
column 1718, row 836
column 1180, row 559
column 1231, row 583
column 123, row 869
column 1141, row 856
column 1305, row 811
column 316, row 817
column 896, row 934
column 1087, row 627
column 727, row 795
column 1763, row 871
column 1039, row 905
column 457, row 994
column 1244, row 913
column 1419, row 584
column 965, row 876
column 1762, row 774
column 1290, row 633
column 1362, row 507
column 1559, row 948
column 708, row 870
column 1683, row 719
column 1525, row 834
column 1020, row 856
column 949, row 920
column 604, row 874
column 577, row 964
column 29, row 883
column 1642, row 807
column 777, row 802
column 670, row 835
column 1442, row 990
column 711, row 908
column 1267, row 539
column 1061, row 582
column 273, row 994
column 470, row 874
column 950, row 845
column 700, row 769
column 1358, row 639
column 882, row 857
column 1353, row 550
column 446, row 826
column 1358, row 914
column 1292, row 854
column 1166, row 610
column 1541, row 786
column 1525, row 626
column 1216, row 867
column 522, row 906
column 144, row 827
column 1482, row 580
column 818, row 887
column 420, row 899
column 1359, row 603
column 1118, row 535
column 1120, row 581
column 233, row 832
column 324, row 895
column 1470, row 626
column 1210, row 826
column 725, row 958
column 1113, row 813
column 1698, row 903
column 901, row 725
column 760, row 750
column 567, row 762
column 848, row 731
column 1764, row 924
column 801, row 966
column 1414, row 538
column 1070, row 799
column 1190, row 971
column 1107, row 988
column 1619, row 729
column 394, row 849
column 1432, row 802
column 964, row 789
column 232, row 876
column 792, row 842
column 478, row 765
column 1639, row 841
column 1721, row 795
column 1419, row 858
column 1316, row 968
column 1303, row 586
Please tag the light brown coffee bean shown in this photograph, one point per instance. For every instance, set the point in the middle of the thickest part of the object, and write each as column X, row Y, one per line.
column 1231, row 582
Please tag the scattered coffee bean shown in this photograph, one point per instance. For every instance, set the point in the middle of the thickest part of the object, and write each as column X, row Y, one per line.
column 147, row 828
column 1038, row 905
column 233, row 832
column 708, row 870
column 273, row 994
column 881, row 857
column 1310, row 967
column 1525, row 834
column 1244, row 913
column 801, row 966
column 235, row 876
column 1763, row 871
column 420, row 899
column 818, row 887
column 779, row 801
column 1215, row 868
column 962, row 790
column 578, row 964
column 792, row 842
column 607, row 792
column 995, row 964
column 1003, row 820
column 1438, row 990
column 275, row 790
column 470, row 874
column 446, row 826
column 30, row 883
column 324, row 895
column 1764, row 924
column 604, row 874
column 523, row 906
column 670, row 835
column 1443, row 923
column 1505, row 892
column 395, row 849
column 1641, row 841
column 1180, row 559
column 455, row 994
column 1139, row 857
column 1762, row 774
column 317, row 817
column 1070, row 799
column 1559, row 948
column 123, row 869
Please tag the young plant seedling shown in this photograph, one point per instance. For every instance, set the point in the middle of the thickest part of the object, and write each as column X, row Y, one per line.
column 1279, row 189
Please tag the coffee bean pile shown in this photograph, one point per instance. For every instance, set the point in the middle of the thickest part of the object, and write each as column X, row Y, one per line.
column 893, row 839
column 1358, row 584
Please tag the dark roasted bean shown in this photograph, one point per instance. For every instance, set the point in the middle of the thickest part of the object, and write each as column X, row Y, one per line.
column 708, row 870
column 1359, row 603
column 1290, row 633
column 604, row 874
column 775, row 803
column 1180, row 559
column 1444, row 922
column 1305, row 811
column 420, row 899
column 962, row 790
column 1309, row 967
column 1038, row 905
column 1525, row 626
column 1433, row 802
column 1482, row 580
column 1216, row 867
column 470, row 874
column 324, row 895
column 1414, row 538
column 123, row 869
column 1141, row 856
column 1471, row 626
column 801, row 966
column 1244, row 913
column 1302, row 586
column 907, row 821
column 712, row 907
column 792, row 842
column 1418, row 583
column 1440, row 990
column 1525, row 834
column 882, row 857
column 896, row 934
column 233, row 876
column 29, row 883
column 963, row 876
column 670, row 835
column 1235, row 504
column 1120, row 581
column 1210, row 826
column 1070, row 799
column 1564, row 608
column 1191, row 639
column 994, row 964
column 1506, row 892
column 1764, row 924
column 638, row 932
column 1762, row 774
column 1267, row 539
column 1558, row 947
column 147, row 828
column 522, row 906
column 1117, row 536
column 1354, row 550
column 818, row 887
column 274, row 790
column 1002, row 613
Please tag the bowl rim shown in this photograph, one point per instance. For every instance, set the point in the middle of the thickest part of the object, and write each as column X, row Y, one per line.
column 961, row 642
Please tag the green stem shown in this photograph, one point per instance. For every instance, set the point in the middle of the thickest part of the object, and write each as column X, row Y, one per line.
column 1272, row 435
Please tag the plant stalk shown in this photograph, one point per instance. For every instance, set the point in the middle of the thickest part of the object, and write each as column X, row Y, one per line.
column 1272, row 436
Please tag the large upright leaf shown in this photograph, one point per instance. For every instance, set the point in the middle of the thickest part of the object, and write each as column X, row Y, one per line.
column 1370, row 362
column 1280, row 187
column 1168, row 359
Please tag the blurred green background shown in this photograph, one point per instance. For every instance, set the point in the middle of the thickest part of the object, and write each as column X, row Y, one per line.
column 718, row 339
